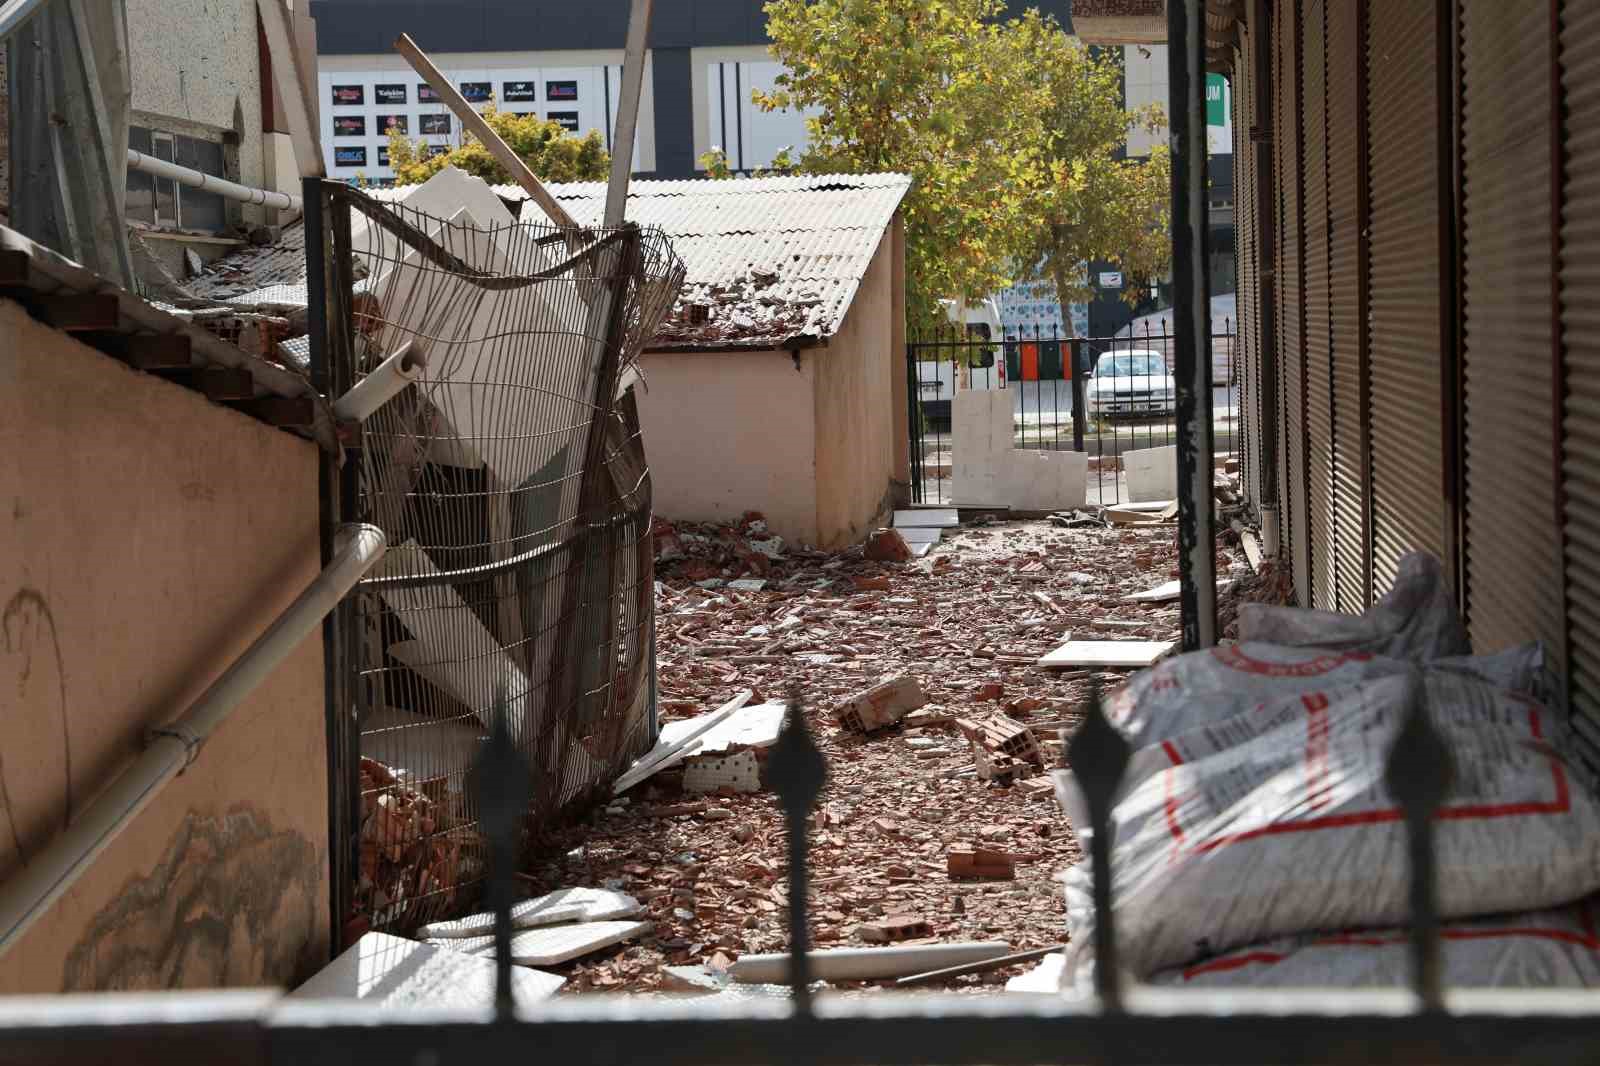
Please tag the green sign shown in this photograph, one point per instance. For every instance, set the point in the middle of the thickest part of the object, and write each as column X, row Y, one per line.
column 1216, row 100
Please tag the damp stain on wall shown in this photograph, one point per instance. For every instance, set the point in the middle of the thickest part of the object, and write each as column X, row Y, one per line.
column 231, row 902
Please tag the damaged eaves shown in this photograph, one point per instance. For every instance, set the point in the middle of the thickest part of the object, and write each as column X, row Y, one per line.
column 162, row 339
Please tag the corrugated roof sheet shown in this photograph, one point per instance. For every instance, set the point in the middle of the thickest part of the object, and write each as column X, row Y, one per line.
column 770, row 260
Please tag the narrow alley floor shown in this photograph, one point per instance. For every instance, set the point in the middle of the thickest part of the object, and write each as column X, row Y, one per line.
column 968, row 620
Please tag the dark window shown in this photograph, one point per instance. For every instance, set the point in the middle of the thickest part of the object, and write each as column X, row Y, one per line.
column 349, row 125
column 567, row 119
column 198, row 209
column 432, row 124
column 388, row 124
column 477, row 92
column 524, row 91
column 560, row 90
column 166, row 189
column 389, row 94
column 349, row 157
column 348, row 95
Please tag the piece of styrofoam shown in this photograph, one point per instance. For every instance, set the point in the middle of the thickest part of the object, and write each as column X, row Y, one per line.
column 920, row 548
column 754, row 726
column 424, row 747
column 552, row 944
column 553, row 908
column 706, row 773
column 1162, row 593
column 1119, row 654
column 920, row 534
column 391, row 971
column 868, row 964
column 928, row 518
column 1152, row 473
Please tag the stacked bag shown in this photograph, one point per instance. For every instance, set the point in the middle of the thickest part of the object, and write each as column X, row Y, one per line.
column 1256, row 843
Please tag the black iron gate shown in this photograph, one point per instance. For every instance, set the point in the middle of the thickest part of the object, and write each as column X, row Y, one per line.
column 1101, row 395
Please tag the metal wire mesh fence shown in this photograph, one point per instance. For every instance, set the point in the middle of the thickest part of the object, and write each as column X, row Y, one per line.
column 509, row 475
column 1104, row 396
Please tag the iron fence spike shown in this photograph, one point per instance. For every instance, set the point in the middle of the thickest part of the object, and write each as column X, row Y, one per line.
column 1418, row 775
column 798, row 773
column 1098, row 756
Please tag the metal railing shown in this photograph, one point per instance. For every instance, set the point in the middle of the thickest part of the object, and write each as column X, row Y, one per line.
column 1100, row 395
column 1122, row 1023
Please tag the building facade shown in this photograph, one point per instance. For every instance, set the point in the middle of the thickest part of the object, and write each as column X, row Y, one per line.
column 563, row 62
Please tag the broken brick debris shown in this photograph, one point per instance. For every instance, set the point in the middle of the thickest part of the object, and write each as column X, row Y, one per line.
column 887, row 546
column 895, row 927
column 965, row 861
column 998, row 735
column 881, row 705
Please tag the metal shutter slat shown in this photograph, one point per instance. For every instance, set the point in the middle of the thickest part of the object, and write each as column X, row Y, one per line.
column 1345, row 305
column 1291, row 296
column 1513, row 548
column 1403, row 302
column 1319, row 342
column 1580, row 321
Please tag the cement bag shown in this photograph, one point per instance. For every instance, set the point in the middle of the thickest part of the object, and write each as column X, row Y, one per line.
column 1202, row 688
column 1541, row 949
column 1294, row 831
column 1415, row 619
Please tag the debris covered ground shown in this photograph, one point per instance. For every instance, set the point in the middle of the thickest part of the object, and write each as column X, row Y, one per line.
column 738, row 609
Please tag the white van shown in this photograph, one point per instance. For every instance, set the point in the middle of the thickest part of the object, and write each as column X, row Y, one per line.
column 978, row 367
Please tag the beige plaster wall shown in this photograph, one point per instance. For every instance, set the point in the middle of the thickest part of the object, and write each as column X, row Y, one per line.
column 146, row 537
column 730, row 432
column 855, row 412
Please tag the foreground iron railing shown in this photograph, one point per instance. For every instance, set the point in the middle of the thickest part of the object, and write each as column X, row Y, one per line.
column 1122, row 1024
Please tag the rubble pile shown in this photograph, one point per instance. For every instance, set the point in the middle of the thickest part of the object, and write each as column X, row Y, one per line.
column 909, row 843
column 750, row 307
column 408, row 857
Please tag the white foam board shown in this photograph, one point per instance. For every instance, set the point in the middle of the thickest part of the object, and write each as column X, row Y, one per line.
column 1152, row 473
column 422, row 746
column 707, row 773
column 927, row 518
column 921, row 548
column 920, row 534
column 552, row 908
column 1121, row 654
column 553, row 944
column 755, row 726
column 391, row 971
column 1162, row 593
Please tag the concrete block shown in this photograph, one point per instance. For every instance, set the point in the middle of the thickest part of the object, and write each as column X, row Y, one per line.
column 1152, row 473
column 1046, row 481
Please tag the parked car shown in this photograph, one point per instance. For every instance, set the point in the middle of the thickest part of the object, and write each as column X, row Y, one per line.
column 1135, row 382
column 974, row 367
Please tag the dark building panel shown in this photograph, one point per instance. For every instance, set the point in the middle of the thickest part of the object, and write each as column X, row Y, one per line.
column 346, row 27
column 674, row 122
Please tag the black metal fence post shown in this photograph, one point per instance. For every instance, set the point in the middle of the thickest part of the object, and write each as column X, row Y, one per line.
column 1079, row 422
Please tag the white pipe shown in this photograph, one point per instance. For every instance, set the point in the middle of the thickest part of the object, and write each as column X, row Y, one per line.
column 867, row 964
column 382, row 385
column 28, row 895
column 228, row 190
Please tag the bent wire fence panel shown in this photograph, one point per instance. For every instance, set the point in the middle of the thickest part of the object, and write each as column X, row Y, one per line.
column 510, row 477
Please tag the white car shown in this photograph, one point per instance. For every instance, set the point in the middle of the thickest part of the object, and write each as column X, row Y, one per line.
column 1135, row 382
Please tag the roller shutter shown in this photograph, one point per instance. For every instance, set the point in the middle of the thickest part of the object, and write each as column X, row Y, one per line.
column 1580, row 321
column 1291, row 296
column 1403, row 293
column 1512, row 543
column 1318, row 338
column 1347, row 303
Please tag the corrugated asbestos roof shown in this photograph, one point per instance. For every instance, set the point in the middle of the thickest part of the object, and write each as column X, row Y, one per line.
column 770, row 260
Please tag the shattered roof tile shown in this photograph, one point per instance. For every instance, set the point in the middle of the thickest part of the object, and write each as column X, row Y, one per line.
column 770, row 260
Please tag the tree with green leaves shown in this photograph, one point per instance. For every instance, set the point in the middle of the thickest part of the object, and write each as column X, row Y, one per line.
column 1008, row 127
column 549, row 150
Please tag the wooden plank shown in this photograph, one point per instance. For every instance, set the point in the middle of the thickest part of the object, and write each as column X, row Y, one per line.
column 145, row 351
column 289, row 78
column 1117, row 654
column 471, row 120
column 78, row 312
column 224, row 383
column 279, row 410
